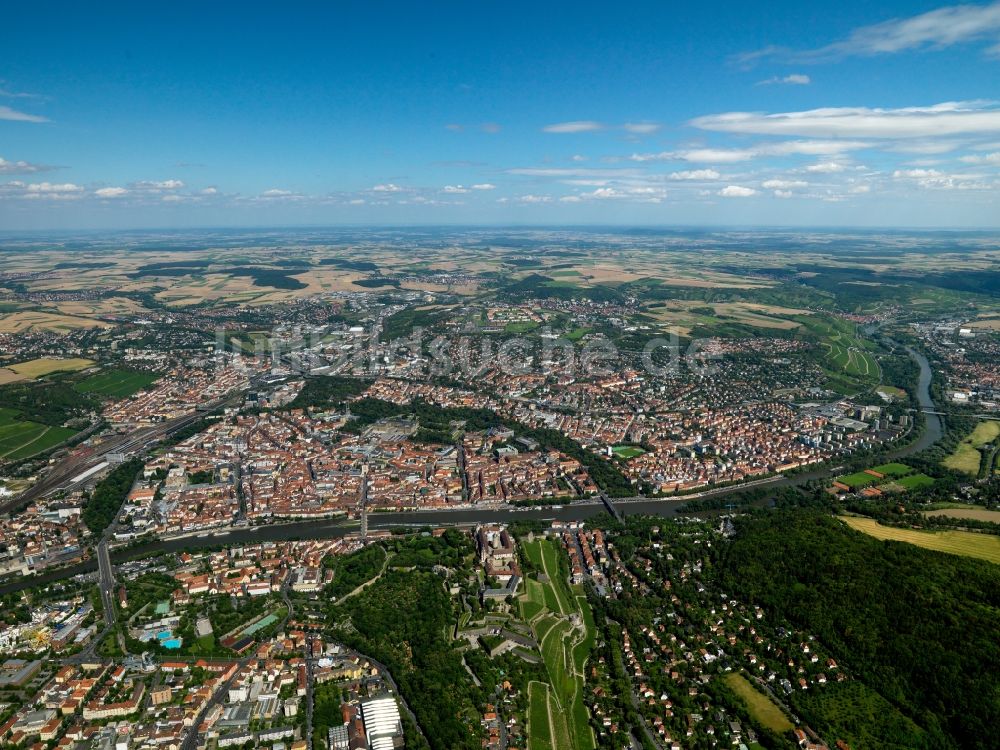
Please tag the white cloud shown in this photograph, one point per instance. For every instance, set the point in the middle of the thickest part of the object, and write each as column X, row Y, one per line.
column 701, row 155
column 736, row 191
column 158, row 185
column 783, row 194
column 21, row 167
column 826, row 167
column 172, row 198
column 41, row 190
column 933, row 179
column 925, row 147
column 795, row 79
column 6, row 93
column 945, row 119
column 734, row 155
column 578, row 157
column 111, row 192
column 454, row 189
column 695, row 174
column 6, row 113
column 573, row 172
column 635, row 193
column 387, row 188
column 914, row 173
column 641, row 128
column 276, row 193
column 209, row 191
column 993, row 158
column 535, row 198
column 48, row 187
column 934, row 30
column 783, row 184
column 484, row 186
column 576, row 126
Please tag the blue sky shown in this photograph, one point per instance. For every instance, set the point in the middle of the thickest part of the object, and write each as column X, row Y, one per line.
column 195, row 114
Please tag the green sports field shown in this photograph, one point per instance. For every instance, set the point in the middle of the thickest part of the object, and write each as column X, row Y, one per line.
column 627, row 451
column 116, row 383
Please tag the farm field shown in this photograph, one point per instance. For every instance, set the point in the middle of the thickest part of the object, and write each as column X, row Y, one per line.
column 116, row 383
column 965, row 543
column 37, row 368
column 547, row 606
column 762, row 708
column 23, row 439
column 27, row 320
column 966, row 456
column 683, row 315
column 974, row 514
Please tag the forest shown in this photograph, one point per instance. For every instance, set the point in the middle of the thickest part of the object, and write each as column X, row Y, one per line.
column 109, row 494
column 919, row 627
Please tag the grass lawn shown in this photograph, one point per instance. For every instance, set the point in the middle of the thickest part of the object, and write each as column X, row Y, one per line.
column 36, row 368
column 520, row 327
column 761, row 707
column 22, row 439
column 914, row 480
column 533, row 601
column 893, row 470
column 965, row 543
column 116, row 383
column 966, row 456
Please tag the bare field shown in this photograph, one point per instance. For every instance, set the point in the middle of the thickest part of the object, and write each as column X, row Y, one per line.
column 9, row 376
column 36, row 368
column 685, row 314
column 27, row 320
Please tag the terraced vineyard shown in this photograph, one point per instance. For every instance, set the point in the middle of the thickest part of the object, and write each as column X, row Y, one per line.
column 846, row 351
column 563, row 625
